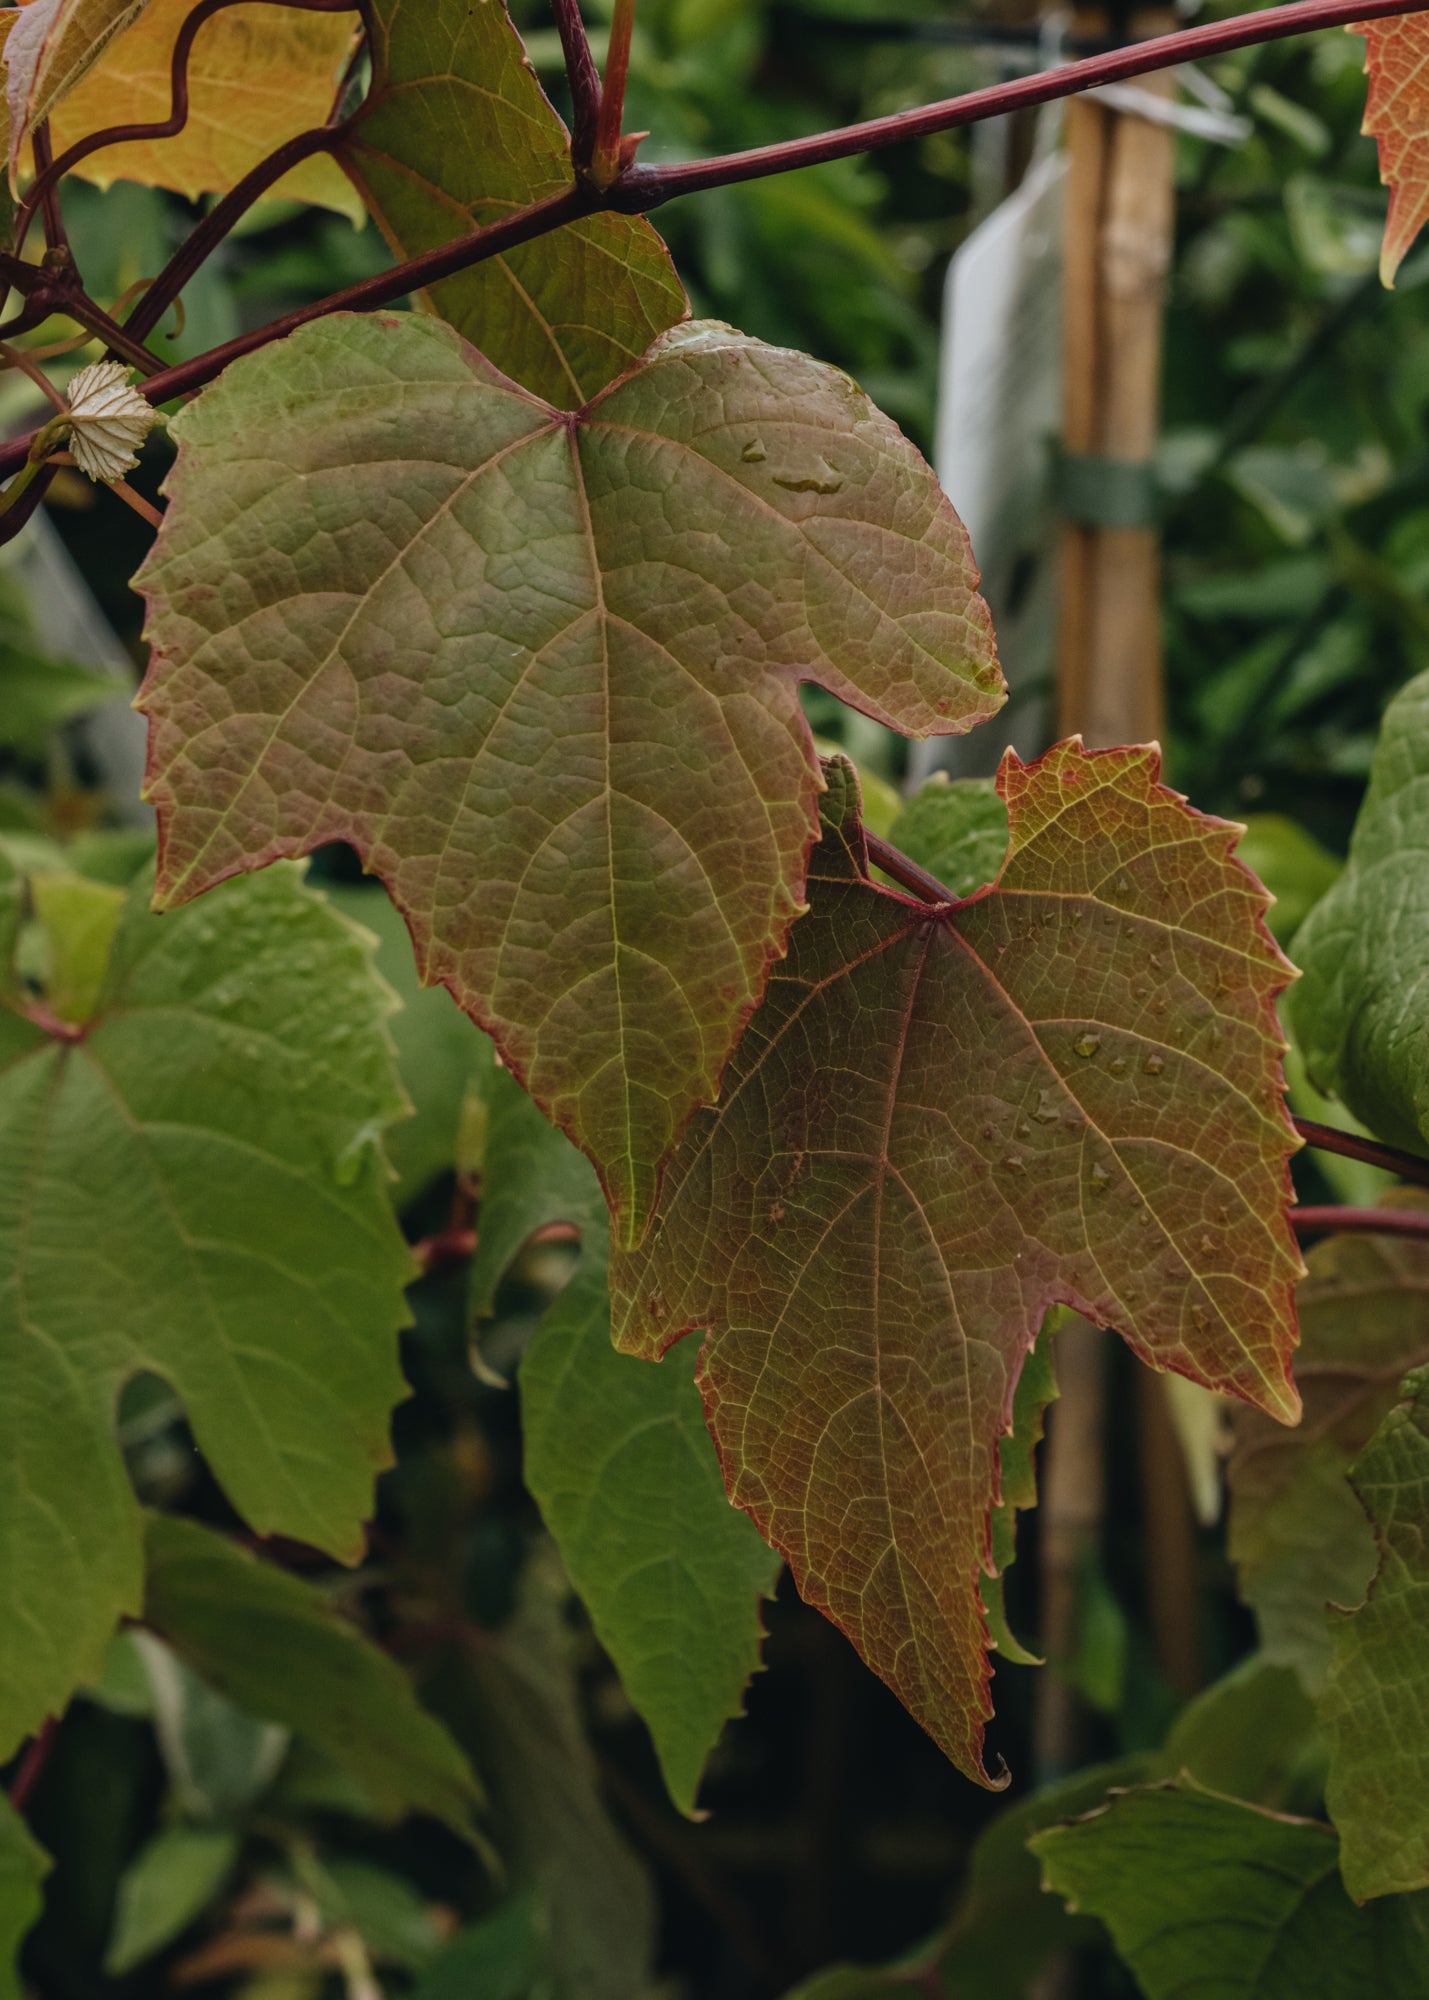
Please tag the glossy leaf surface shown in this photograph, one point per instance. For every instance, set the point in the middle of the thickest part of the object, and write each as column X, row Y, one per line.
column 1361, row 1012
column 1375, row 1708
column 1204, row 1896
column 457, row 133
column 1298, row 1536
column 201, row 1155
column 257, row 75
column 941, row 1122
column 270, row 1642
column 620, row 1462
column 541, row 672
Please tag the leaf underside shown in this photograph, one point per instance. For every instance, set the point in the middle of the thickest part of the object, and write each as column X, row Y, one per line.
column 457, row 134
column 1397, row 115
column 541, row 672
column 941, row 1122
column 50, row 48
column 191, row 1188
column 1298, row 1536
column 1375, row 1708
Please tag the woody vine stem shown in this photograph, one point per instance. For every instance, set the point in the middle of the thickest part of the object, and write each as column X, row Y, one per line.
column 605, row 175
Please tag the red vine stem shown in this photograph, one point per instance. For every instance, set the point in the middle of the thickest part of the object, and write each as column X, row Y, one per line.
column 37, row 1755
column 605, row 160
column 1354, row 1146
column 641, row 188
column 1379, row 1221
column 167, row 128
column 583, row 78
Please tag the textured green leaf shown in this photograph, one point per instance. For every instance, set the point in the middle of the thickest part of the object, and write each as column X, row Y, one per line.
column 1298, row 1536
column 1017, row 1486
column 169, row 1883
column 271, row 1643
column 79, row 919
column 1361, row 1012
column 1375, row 1707
column 1209, row 1898
column 541, row 672
column 620, row 1462
column 941, row 1122
column 1292, row 864
column 456, row 134
column 191, row 1186
column 956, row 828
column 24, row 1865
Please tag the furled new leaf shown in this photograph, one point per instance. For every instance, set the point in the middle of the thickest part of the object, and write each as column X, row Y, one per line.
column 457, row 133
column 24, row 1865
column 620, row 1462
column 541, row 672
column 942, row 1121
column 1375, row 1708
column 257, row 76
column 1298, row 1536
column 270, row 1642
column 1361, row 1013
column 1397, row 114
column 1205, row 1896
column 190, row 1186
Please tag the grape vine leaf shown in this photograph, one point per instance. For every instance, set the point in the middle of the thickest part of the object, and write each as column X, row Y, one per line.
column 956, row 828
column 1203, row 1895
column 270, row 1642
column 457, row 133
column 258, row 76
column 942, row 1121
column 620, row 1463
column 50, row 47
column 210, row 1137
column 24, row 1865
column 1375, row 1705
column 1299, row 1538
column 1361, row 1012
column 1397, row 115
column 39, row 694
column 541, row 671
column 169, row 1884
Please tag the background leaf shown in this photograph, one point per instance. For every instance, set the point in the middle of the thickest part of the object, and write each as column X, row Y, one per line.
column 457, row 134
column 1298, row 1536
column 1066, row 1091
column 270, row 1643
column 1361, row 1013
column 562, row 658
column 956, row 828
column 23, row 1867
column 620, row 1462
column 210, row 1135
column 168, row 1884
column 1184, row 1880
column 1375, row 1707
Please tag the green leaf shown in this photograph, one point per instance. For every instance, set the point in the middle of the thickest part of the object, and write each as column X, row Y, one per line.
column 1361, row 1013
column 191, row 1186
column 79, row 919
column 499, row 1958
column 956, row 828
column 1292, row 864
column 595, row 1908
column 1375, row 1707
column 456, row 133
column 271, row 1643
column 1250, row 1735
column 168, row 1884
column 541, row 673
column 1036, row 1391
column 217, row 1757
column 621, row 1465
column 38, row 694
column 1209, row 1898
column 1298, row 1536
column 24, row 1865
column 941, row 1122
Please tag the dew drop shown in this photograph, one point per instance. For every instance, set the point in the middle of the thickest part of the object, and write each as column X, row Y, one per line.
column 655, row 1306
column 1023, row 1128
column 1206, row 1245
column 1014, row 1163
column 1101, row 1180
column 1048, row 1109
column 1087, row 1045
column 776, row 1211
column 988, row 1131
column 753, row 452
column 1118, row 1065
column 1154, row 1065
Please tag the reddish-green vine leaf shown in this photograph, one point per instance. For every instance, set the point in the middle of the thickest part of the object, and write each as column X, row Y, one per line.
column 49, row 48
column 457, row 133
column 1375, row 1708
column 1397, row 114
column 942, row 1121
column 541, row 672
column 190, row 1185
column 1299, row 1538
